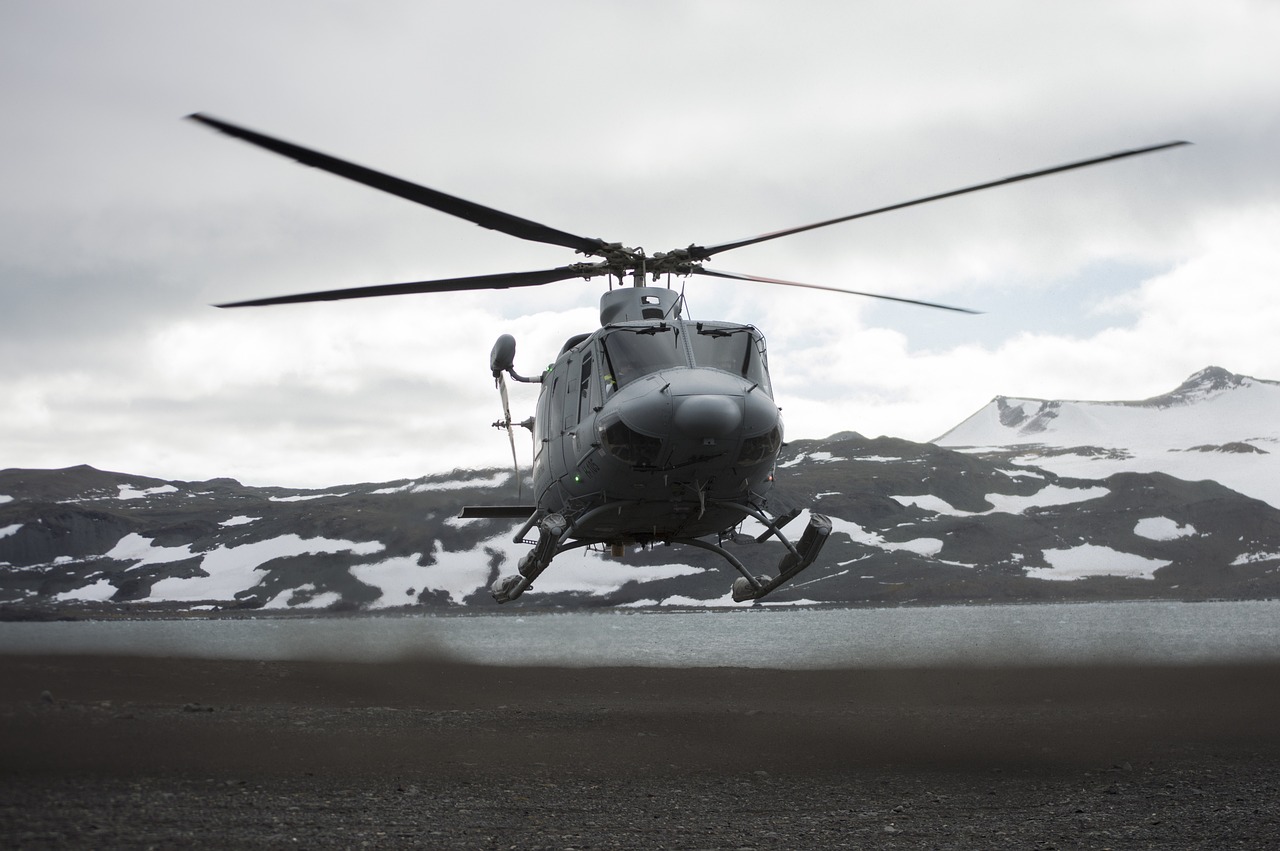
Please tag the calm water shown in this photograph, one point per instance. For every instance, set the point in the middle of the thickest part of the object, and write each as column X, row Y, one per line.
column 1137, row 632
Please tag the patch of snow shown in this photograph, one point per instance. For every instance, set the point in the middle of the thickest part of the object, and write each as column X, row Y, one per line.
column 493, row 481
column 232, row 569
column 1091, row 560
column 465, row 572
column 6, row 531
column 320, row 601
column 1252, row 475
column 98, row 592
column 396, row 576
column 1046, row 496
column 4, row 499
column 928, row 502
column 317, row 601
column 1162, row 529
column 1252, row 558
column 817, row 457
column 596, row 574
column 883, row 458
column 819, row 579
column 130, row 492
column 1007, row 503
column 239, row 520
column 496, row 480
column 304, row 497
column 855, row 532
column 461, row 574
column 133, row 547
column 726, row 601
column 920, row 546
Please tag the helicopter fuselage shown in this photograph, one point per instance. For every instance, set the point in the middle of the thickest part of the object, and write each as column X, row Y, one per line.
column 653, row 429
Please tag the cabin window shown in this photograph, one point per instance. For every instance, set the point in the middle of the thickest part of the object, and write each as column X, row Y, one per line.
column 634, row 353
column 737, row 350
column 584, row 386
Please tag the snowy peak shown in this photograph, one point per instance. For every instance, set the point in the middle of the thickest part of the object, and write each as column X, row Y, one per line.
column 1206, row 384
column 1214, row 407
column 1209, row 379
column 1216, row 425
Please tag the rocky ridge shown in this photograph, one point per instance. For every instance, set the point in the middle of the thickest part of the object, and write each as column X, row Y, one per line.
column 913, row 523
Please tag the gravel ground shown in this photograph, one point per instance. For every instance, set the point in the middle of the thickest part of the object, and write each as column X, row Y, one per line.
column 112, row 752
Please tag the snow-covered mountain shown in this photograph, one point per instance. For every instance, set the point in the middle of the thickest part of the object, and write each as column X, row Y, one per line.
column 1217, row 425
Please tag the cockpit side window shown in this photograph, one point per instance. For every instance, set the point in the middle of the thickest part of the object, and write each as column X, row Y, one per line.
column 632, row 353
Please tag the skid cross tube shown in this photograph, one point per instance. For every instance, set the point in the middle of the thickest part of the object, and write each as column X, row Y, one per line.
column 728, row 556
column 775, row 530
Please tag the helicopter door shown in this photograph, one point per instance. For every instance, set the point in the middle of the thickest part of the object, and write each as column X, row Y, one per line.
column 541, row 436
column 582, row 418
column 555, row 423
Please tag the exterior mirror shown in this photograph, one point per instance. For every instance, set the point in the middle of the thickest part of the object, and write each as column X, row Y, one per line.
column 503, row 356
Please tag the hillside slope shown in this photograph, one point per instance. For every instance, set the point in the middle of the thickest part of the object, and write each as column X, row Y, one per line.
column 912, row 523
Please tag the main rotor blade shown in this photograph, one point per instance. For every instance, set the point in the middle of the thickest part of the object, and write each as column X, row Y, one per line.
column 511, row 434
column 477, row 282
column 698, row 270
column 699, row 252
column 486, row 217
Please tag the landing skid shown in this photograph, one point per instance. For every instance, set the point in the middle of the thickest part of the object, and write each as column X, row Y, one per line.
column 795, row 559
column 553, row 529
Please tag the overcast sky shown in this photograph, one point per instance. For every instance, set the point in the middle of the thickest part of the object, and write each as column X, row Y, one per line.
column 655, row 124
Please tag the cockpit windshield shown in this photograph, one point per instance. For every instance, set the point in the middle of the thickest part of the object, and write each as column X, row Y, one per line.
column 635, row 352
column 738, row 349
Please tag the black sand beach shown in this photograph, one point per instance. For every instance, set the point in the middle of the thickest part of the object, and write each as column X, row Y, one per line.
column 109, row 752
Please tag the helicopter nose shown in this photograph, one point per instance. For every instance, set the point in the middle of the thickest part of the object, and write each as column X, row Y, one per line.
column 708, row 416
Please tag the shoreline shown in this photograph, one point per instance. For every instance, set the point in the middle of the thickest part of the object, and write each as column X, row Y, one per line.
column 71, row 612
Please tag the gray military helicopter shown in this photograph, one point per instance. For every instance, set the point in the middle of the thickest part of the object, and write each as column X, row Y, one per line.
column 653, row 428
